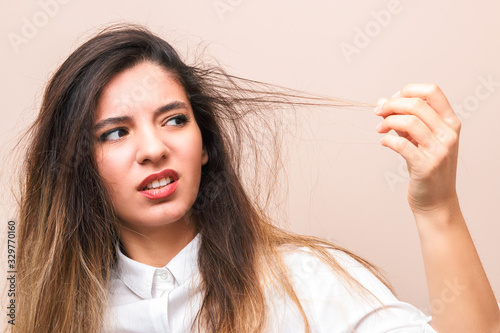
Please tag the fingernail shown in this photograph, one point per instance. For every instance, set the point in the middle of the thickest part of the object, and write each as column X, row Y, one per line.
column 378, row 126
column 377, row 109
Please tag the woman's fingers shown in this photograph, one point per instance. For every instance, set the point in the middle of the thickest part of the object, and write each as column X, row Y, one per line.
column 380, row 102
column 411, row 125
column 428, row 104
column 416, row 107
column 435, row 98
column 404, row 147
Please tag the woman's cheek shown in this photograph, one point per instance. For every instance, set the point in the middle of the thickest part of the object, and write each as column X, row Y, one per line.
column 111, row 171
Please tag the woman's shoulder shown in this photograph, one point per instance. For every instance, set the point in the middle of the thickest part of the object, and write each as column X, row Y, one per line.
column 343, row 293
column 306, row 256
column 339, row 272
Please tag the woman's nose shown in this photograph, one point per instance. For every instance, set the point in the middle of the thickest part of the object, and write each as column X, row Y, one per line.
column 150, row 147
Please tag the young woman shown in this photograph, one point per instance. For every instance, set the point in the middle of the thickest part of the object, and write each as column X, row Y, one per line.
column 135, row 218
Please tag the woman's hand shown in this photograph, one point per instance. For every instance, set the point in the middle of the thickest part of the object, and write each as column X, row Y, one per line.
column 428, row 132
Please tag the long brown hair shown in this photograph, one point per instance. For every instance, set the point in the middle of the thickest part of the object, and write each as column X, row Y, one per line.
column 67, row 226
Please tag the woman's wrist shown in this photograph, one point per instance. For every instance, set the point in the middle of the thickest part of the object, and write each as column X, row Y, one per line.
column 446, row 214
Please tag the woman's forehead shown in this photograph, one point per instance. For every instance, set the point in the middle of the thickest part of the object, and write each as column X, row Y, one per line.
column 145, row 85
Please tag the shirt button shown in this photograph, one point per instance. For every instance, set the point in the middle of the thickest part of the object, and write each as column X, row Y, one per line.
column 164, row 275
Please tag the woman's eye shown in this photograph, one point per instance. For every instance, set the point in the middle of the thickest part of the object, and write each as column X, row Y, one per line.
column 113, row 135
column 178, row 120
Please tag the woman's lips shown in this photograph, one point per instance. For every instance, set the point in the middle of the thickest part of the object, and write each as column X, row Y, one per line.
column 155, row 180
column 160, row 193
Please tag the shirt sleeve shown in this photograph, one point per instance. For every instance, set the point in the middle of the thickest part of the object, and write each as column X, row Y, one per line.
column 332, row 305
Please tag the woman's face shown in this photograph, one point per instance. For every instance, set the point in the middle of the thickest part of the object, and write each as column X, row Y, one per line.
column 148, row 147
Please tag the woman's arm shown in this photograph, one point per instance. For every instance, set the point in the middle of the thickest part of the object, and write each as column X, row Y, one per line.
column 461, row 297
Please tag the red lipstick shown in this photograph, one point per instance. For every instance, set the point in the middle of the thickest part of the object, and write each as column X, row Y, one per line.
column 160, row 192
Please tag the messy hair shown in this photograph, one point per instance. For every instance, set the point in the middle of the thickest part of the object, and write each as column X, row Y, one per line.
column 68, row 228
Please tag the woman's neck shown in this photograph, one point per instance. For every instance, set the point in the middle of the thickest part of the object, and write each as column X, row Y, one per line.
column 156, row 246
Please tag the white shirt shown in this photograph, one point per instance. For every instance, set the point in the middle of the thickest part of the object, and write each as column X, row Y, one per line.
column 150, row 299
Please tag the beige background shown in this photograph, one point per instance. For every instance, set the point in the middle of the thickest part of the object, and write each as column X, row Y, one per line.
column 344, row 186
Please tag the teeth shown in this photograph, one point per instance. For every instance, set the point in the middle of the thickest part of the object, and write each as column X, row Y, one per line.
column 159, row 183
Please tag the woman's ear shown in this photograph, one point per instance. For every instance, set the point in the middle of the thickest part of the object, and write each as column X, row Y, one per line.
column 204, row 156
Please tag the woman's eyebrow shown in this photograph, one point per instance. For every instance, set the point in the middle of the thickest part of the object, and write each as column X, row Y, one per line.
column 170, row 106
column 111, row 121
column 162, row 109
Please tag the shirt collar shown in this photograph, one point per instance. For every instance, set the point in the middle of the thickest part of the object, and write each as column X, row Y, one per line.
column 139, row 277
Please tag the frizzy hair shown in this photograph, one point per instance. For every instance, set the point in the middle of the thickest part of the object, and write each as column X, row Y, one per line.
column 67, row 225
